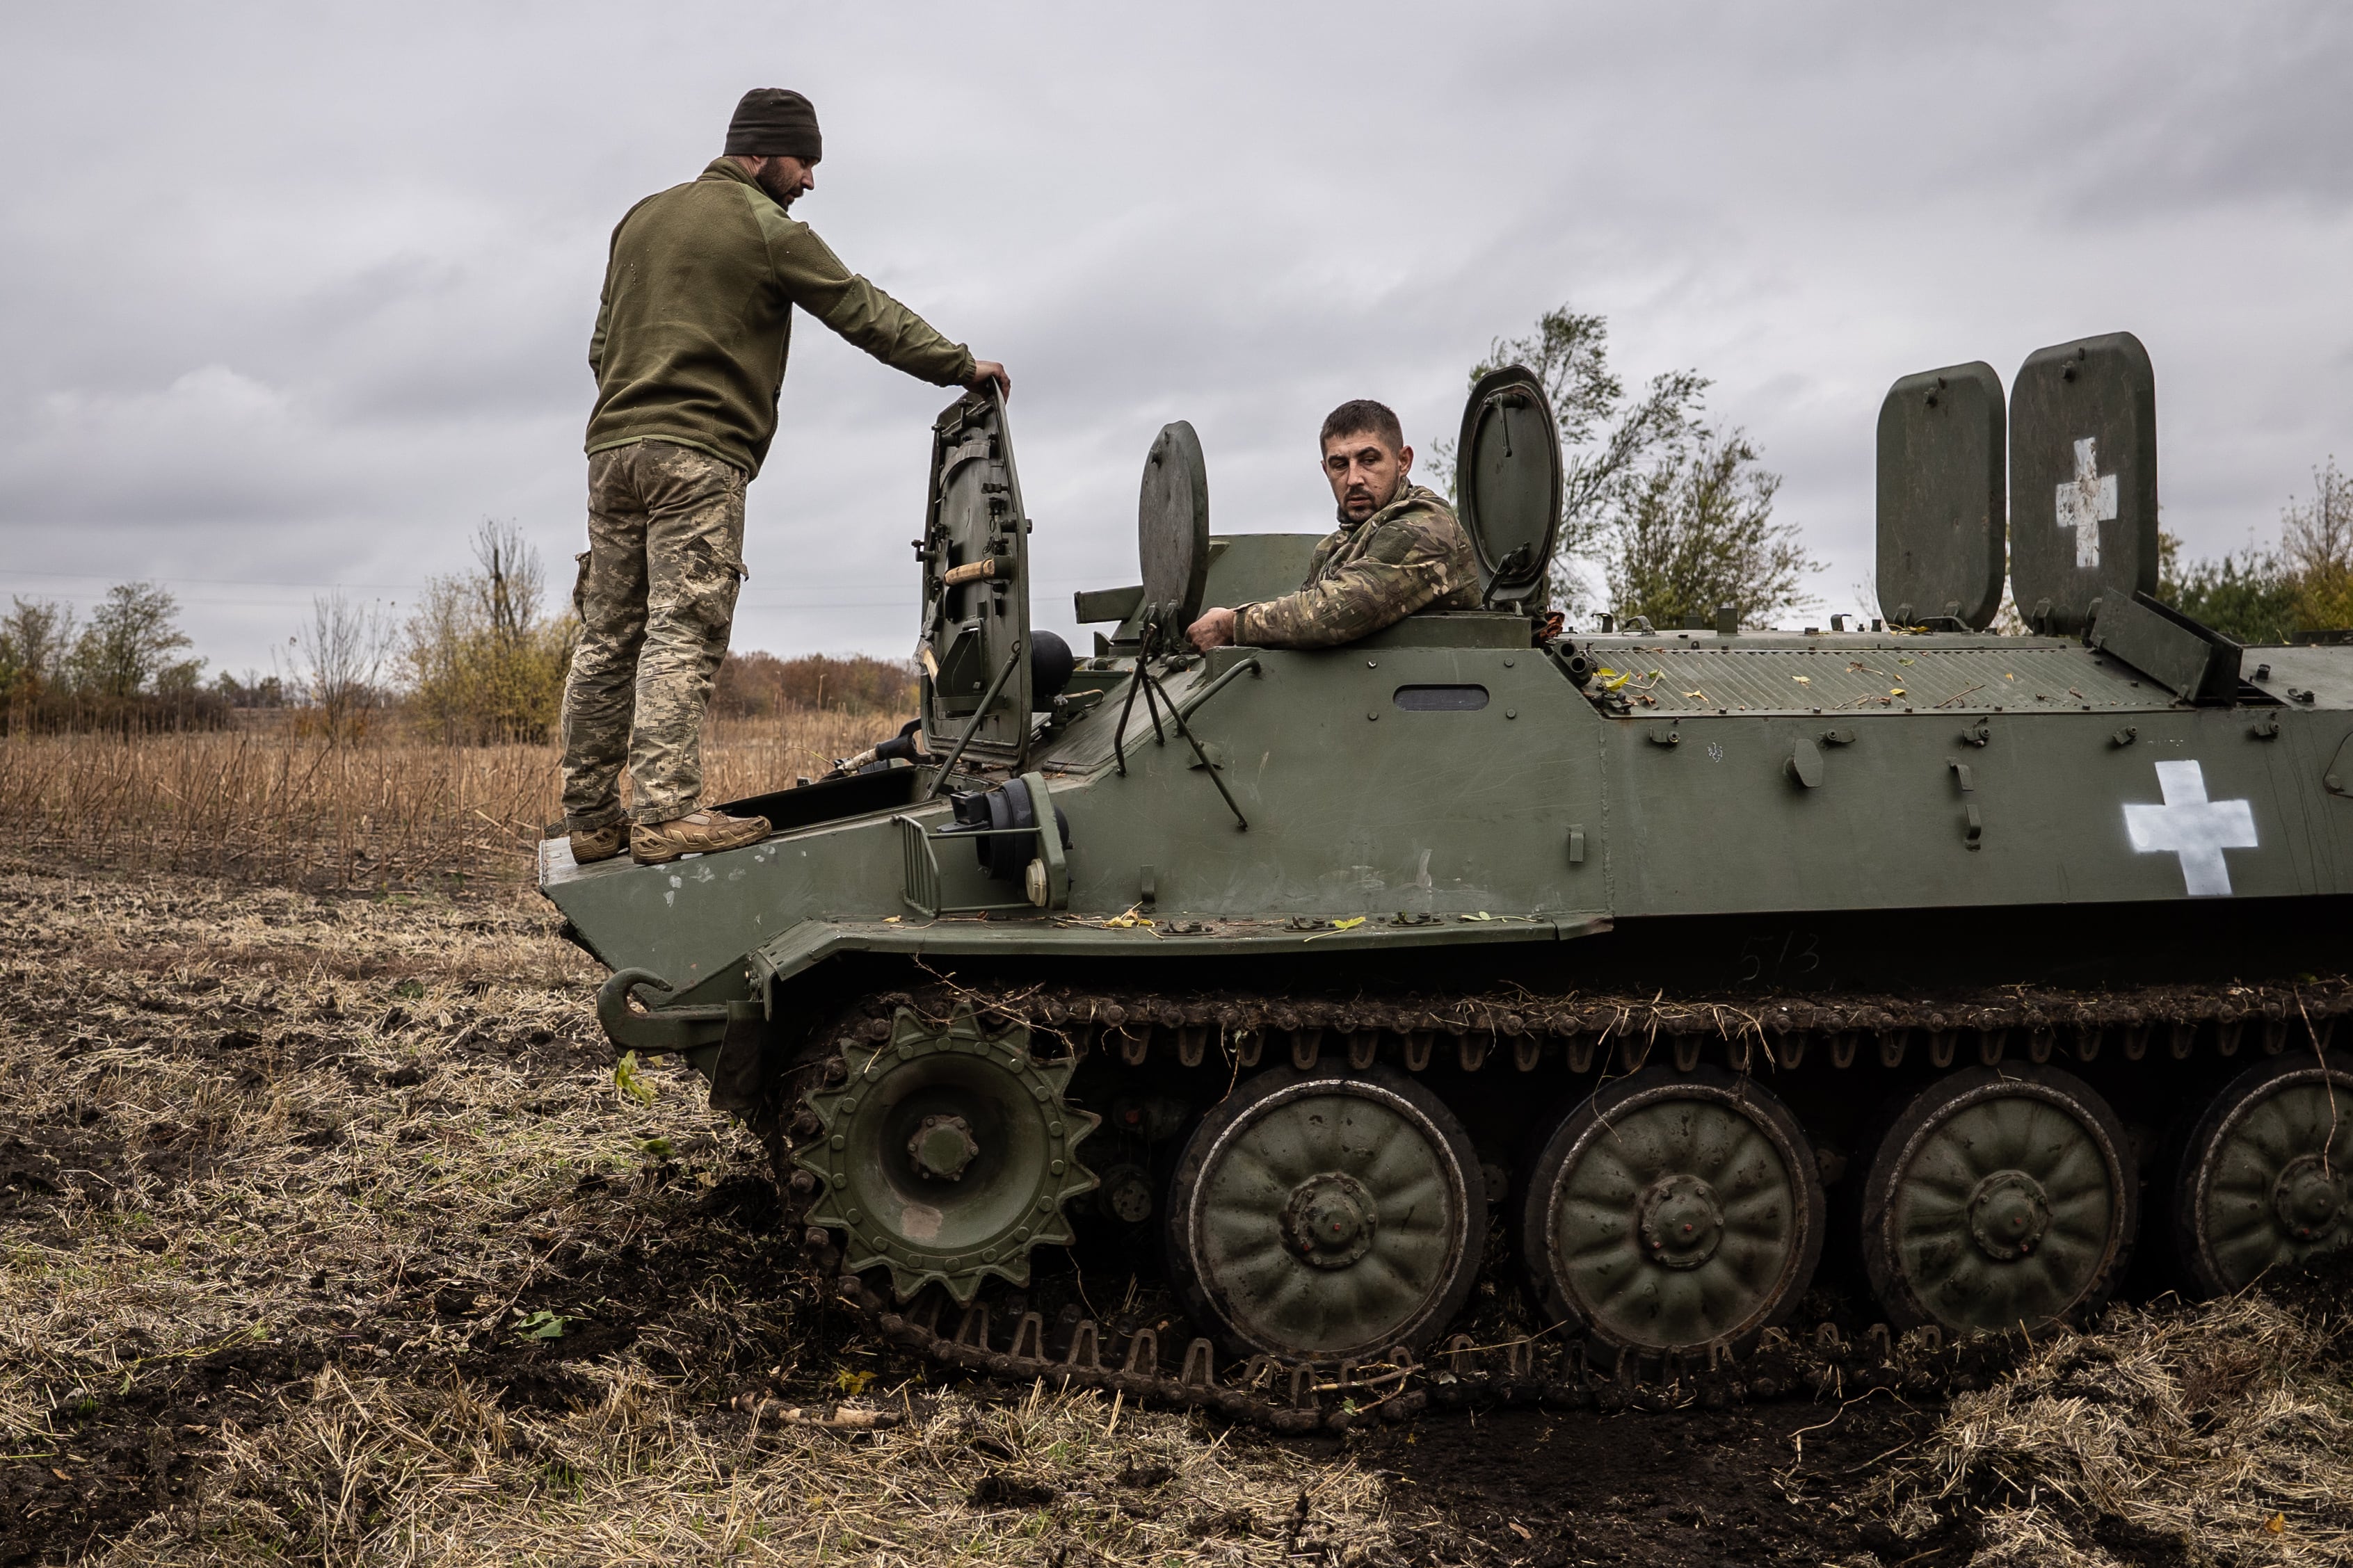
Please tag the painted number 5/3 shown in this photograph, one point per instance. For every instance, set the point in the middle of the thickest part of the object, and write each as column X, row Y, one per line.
column 1785, row 955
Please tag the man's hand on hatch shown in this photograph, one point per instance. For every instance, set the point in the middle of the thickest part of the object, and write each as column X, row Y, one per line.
column 986, row 370
column 1214, row 629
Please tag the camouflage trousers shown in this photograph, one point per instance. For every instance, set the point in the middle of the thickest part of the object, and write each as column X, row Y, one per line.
column 656, row 596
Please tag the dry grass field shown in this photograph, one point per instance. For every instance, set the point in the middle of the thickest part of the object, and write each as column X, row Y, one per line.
column 383, row 814
column 331, row 1238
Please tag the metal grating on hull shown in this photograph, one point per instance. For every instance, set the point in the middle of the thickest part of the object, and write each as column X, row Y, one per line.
column 2011, row 675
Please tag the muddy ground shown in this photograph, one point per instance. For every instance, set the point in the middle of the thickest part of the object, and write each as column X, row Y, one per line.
column 331, row 1238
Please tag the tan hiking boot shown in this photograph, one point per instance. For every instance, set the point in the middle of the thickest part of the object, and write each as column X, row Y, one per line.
column 697, row 833
column 594, row 843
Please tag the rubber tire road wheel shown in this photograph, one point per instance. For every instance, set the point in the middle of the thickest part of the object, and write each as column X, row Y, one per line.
column 1673, row 1211
column 1325, row 1216
column 2269, row 1159
column 1999, row 1198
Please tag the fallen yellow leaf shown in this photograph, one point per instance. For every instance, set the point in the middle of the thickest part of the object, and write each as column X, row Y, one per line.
column 2277, row 1524
column 1896, row 691
column 1803, row 680
column 1349, row 925
column 890, row 919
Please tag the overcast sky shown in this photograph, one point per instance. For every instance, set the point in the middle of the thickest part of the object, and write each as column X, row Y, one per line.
column 294, row 296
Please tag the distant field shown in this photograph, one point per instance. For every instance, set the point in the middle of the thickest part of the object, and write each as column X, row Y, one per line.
column 385, row 813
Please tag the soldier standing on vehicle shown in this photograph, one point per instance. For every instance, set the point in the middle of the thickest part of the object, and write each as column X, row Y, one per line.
column 689, row 355
column 1397, row 550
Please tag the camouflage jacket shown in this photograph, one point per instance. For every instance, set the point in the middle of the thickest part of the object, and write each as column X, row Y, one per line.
column 1410, row 555
column 697, row 316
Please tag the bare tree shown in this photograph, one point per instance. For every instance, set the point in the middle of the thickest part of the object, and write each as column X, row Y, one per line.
column 510, row 582
column 340, row 658
column 484, row 661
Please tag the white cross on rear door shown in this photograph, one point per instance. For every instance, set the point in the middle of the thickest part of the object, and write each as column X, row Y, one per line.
column 2087, row 501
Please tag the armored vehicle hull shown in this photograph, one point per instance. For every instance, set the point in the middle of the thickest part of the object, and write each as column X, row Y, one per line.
column 1598, row 993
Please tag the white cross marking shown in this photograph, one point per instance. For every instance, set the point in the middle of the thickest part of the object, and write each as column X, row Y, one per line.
column 2191, row 826
column 2087, row 501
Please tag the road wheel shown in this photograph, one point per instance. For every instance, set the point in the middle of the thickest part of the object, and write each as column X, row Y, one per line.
column 946, row 1155
column 1673, row 1211
column 1999, row 1199
column 1319, row 1216
column 2263, row 1180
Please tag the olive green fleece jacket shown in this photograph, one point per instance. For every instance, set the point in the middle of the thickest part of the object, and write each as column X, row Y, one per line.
column 697, row 318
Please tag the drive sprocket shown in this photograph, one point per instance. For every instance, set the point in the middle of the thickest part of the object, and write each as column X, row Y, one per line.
column 946, row 1154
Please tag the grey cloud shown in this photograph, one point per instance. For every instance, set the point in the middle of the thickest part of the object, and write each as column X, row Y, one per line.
column 296, row 296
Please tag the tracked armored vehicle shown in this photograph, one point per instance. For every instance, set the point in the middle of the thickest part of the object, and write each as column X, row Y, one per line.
column 1333, row 1012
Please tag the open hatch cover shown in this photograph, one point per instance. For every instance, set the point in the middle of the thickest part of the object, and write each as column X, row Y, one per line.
column 975, row 560
column 1171, row 529
column 1943, row 495
column 2082, row 480
column 1507, row 483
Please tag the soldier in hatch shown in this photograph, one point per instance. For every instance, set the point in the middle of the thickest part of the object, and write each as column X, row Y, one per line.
column 1397, row 550
column 689, row 355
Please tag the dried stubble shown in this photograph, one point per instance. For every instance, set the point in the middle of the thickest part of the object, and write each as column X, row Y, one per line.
column 347, row 1153
column 2220, row 1433
column 389, row 813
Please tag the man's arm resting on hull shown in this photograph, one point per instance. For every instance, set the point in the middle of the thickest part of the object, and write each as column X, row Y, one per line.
column 1354, row 601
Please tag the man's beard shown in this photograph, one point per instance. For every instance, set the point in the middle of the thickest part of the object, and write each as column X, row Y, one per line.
column 1379, row 502
column 780, row 191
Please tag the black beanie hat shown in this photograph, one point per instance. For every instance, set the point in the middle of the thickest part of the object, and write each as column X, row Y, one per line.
column 775, row 121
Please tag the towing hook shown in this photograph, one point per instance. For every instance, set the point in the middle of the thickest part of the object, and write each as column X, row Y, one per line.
column 613, row 1009
column 677, row 1029
column 618, row 985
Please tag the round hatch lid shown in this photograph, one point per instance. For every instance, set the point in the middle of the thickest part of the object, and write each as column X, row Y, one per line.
column 1508, row 484
column 1172, row 523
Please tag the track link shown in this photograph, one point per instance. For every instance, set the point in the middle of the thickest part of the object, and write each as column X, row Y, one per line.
column 1821, row 1363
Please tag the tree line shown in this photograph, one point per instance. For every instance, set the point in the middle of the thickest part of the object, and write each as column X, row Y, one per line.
column 480, row 659
column 123, row 667
column 2303, row 584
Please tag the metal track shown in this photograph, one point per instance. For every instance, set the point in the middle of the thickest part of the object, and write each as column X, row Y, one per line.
column 1821, row 1363
column 1515, row 1032
column 1619, row 1033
